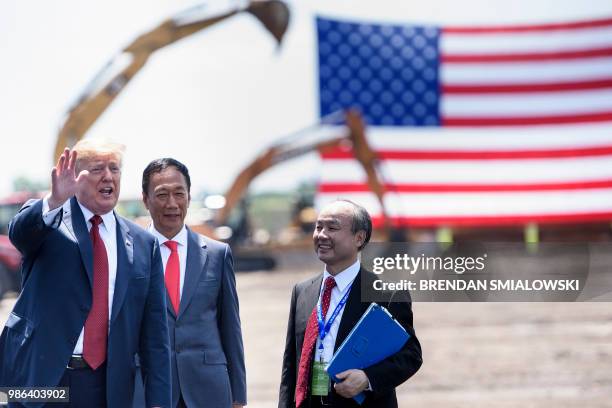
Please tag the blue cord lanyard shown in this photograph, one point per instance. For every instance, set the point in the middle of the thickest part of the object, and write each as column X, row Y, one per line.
column 325, row 328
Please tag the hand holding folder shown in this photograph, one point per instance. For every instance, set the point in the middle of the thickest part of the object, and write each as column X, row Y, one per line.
column 375, row 337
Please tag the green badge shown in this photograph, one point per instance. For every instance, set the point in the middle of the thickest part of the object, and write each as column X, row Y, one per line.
column 320, row 379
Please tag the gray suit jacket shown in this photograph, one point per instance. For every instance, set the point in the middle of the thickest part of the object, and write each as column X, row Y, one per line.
column 206, row 340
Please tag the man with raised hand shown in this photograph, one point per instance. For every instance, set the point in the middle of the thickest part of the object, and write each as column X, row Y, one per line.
column 93, row 290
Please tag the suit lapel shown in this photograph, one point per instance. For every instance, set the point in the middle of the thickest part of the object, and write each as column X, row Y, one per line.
column 308, row 302
column 75, row 222
column 197, row 254
column 125, row 260
column 66, row 223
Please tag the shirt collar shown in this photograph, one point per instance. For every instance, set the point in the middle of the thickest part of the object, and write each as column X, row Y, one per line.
column 346, row 277
column 180, row 237
column 108, row 219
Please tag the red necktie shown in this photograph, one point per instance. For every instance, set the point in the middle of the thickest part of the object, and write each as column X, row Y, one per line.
column 310, row 339
column 173, row 275
column 96, row 325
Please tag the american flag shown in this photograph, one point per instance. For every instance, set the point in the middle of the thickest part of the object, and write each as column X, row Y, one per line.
column 474, row 126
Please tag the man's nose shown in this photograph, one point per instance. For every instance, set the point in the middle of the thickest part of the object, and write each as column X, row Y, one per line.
column 171, row 201
column 108, row 174
column 322, row 233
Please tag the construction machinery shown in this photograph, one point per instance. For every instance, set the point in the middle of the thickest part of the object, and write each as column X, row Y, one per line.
column 351, row 137
column 119, row 71
column 340, row 130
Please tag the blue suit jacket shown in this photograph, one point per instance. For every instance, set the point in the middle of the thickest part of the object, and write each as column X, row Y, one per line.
column 41, row 332
column 206, row 339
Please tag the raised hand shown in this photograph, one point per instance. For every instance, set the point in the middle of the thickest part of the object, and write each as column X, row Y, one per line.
column 64, row 181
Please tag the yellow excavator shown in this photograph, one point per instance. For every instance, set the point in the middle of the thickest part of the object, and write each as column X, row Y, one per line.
column 351, row 136
column 117, row 73
column 338, row 130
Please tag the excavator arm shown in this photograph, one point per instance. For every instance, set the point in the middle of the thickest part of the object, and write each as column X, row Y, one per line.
column 352, row 135
column 118, row 72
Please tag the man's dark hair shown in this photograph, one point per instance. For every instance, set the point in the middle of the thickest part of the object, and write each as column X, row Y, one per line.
column 158, row 165
column 361, row 221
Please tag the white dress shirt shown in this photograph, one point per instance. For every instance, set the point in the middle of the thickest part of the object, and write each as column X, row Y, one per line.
column 108, row 233
column 181, row 239
column 344, row 280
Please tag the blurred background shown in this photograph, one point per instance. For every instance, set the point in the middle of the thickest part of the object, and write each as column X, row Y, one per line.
column 450, row 121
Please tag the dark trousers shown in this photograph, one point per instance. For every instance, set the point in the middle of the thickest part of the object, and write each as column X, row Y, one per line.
column 87, row 388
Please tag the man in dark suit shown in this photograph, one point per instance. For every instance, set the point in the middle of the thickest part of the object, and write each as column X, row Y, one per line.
column 93, row 291
column 343, row 229
column 205, row 336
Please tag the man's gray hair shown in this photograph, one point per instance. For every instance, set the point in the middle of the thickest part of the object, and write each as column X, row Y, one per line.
column 361, row 221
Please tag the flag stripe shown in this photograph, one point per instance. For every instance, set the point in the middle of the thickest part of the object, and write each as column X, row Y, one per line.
column 526, row 57
column 478, row 139
column 524, row 121
column 526, row 72
column 475, row 155
column 464, row 188
column 573, row 25
column 510, row 171
column 474, row 204
column 495, row 221
column 510, row 43
column 540, row 104
column 526, row 87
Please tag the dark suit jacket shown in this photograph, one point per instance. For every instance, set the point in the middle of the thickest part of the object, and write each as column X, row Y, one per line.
column 384, row 376
column 43, row 328
column 206, row 339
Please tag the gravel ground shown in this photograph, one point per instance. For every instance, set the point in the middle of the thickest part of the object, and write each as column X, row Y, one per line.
column 475, row 354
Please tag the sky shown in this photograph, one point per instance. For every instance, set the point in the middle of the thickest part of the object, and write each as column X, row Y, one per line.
column 213, row 100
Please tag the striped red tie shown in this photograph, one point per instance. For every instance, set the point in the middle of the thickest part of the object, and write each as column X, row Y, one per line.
column 310, row 339
column 173, row 275
column 96, row 325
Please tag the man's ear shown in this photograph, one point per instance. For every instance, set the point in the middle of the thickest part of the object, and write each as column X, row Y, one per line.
column 360, row 238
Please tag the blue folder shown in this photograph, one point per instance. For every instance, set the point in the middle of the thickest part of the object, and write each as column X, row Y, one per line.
column 375, row 337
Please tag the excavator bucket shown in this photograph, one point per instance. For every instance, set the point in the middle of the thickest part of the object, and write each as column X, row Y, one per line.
column 273, row 14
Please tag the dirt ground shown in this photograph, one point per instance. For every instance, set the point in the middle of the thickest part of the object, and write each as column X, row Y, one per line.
column 475, row 355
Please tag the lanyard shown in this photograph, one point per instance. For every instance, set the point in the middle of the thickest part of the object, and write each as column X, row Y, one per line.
column 325, row 328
